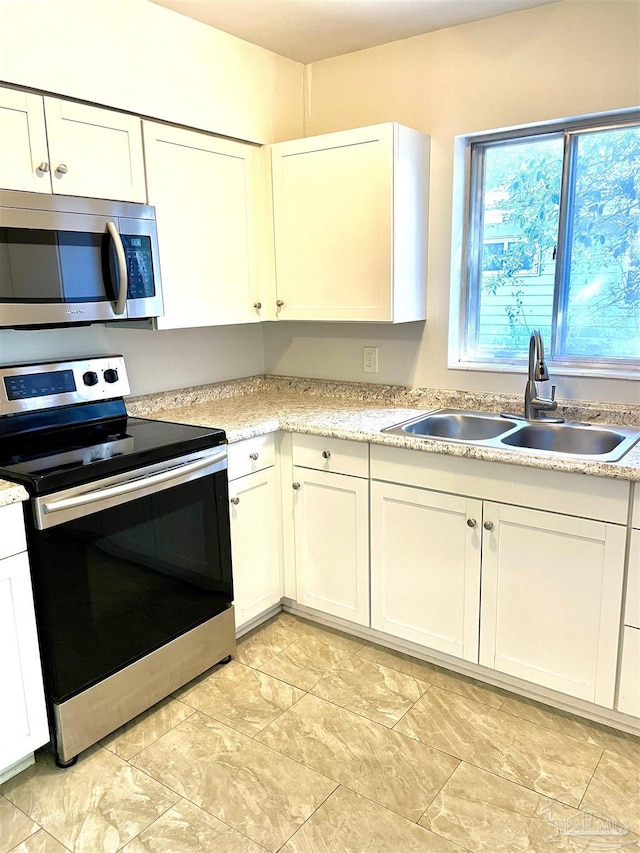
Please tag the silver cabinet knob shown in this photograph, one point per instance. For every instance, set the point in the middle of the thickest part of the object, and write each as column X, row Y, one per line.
column 326, row 454
column 295, row 486
column 43, row 167
column 61, row 169
column 279, row 303
column 253, row 456
column 235, row 501
column 257, row 305
column 488, row 525
column 471, row 522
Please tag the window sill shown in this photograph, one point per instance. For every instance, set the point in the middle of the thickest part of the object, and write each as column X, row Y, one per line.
column 631, row 373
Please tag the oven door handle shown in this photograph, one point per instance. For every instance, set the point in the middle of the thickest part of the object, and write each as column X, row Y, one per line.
column 121, row 302
column 175, row 476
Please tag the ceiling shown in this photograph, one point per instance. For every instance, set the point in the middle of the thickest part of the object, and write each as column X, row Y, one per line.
column 310, row 30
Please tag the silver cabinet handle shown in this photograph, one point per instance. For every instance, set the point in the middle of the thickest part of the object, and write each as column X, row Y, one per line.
column 253, row 456
column 295, row 486
column 121, row 302
column 43, row 167
column 257, row 305
column 326, row 454
column 488, row 525
column 471, row 522
column 279, row 303
column 235, row 501
column 61, row 169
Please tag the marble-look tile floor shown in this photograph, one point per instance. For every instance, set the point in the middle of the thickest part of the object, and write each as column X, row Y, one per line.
column 311, row 741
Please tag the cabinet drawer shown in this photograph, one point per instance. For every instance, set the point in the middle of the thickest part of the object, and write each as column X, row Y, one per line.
column 632, row 605
column 252, row 454
column 336, row 455
column 12, row 536
column 629, row 694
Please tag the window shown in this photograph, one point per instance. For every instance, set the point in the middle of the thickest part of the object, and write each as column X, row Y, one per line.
column 554, row 243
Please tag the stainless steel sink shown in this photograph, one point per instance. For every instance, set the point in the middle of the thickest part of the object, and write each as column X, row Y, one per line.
column 608, row 443
column 456, row 425
column 483, row 429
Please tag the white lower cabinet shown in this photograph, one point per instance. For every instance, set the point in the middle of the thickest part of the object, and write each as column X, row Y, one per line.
column 331, row 525
column 255, row 535
column 629, row 690
column 332, row 543
column 551, row 596
column 425, row 567
column 541, row 589
column 23, row 716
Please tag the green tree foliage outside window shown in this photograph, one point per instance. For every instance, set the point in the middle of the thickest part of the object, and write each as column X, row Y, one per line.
column 554, row 243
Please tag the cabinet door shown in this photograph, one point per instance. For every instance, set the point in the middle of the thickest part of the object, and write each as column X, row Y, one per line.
column 94, row 152
column 332, row 200
column 425, row 567
column 23, row 142
column 632, row 604
column 629, row 693
column 551, row 600
column 331, row 521
column 203, row 191
column 255, row 544
column 23, row 717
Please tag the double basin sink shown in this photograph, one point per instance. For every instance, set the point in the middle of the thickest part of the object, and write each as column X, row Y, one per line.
column 574, row 440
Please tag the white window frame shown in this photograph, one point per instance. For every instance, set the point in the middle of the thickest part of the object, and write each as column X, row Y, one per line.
column 466, row 192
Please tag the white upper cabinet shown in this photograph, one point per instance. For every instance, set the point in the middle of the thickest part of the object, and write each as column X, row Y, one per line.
column 23, row 142
column 350, row 221
column 51, row 145
column 94, row 152
column 203, row 189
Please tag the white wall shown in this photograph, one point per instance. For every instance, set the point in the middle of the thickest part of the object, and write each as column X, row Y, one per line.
column 143, row 58
column 567, row 59
column 139, row 57
column 156, row 361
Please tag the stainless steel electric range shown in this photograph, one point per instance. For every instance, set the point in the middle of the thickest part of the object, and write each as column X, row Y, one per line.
column 128, row 538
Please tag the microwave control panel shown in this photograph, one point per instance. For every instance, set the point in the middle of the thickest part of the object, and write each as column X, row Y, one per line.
column 137, row 250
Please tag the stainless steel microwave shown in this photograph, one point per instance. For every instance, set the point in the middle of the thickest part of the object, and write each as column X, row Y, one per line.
column 76, row 260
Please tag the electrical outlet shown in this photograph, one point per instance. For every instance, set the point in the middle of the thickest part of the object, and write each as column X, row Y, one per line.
column 370, row 359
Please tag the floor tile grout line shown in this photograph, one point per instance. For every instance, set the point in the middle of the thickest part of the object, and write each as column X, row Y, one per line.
column 144, row 829
column 431, row 802
column 155, row 740
column 557, row 731
column 584, row 793
column 411, row 709
column 305, row 822
column 35, row 832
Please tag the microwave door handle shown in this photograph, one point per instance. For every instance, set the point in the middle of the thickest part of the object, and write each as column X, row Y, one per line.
column 121, row 302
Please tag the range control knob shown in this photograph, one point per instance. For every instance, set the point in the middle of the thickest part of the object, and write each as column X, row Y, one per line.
column 90, row 378
column 111, row 375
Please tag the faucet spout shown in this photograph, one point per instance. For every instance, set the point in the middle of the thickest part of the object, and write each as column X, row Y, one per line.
column 534, row 404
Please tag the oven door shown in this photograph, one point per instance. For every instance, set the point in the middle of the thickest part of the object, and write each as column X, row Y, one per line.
column 122, row 568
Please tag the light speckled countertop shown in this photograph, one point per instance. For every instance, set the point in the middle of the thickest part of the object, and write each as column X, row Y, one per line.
column 258, row 405
column 344, row 412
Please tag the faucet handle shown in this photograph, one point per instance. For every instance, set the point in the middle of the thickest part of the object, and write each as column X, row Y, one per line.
column 553, row 392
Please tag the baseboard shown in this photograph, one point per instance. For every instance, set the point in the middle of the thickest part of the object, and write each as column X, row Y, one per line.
column 559, row 701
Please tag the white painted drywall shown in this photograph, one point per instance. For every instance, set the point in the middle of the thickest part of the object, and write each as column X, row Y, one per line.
column 567, row 59
column 136, row 56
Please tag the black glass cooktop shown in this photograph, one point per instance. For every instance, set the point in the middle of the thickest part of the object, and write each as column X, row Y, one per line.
column 54, row 456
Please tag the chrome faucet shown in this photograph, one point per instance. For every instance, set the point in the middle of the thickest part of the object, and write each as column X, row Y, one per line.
column 533, row 404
